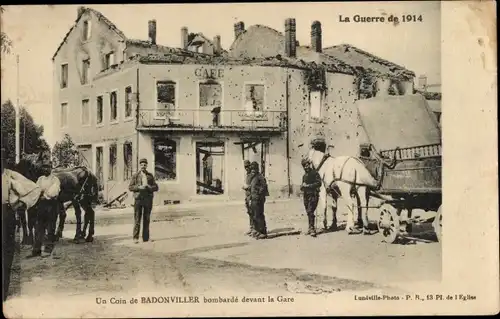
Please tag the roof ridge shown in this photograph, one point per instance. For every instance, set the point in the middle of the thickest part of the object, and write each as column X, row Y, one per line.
column 100, row 16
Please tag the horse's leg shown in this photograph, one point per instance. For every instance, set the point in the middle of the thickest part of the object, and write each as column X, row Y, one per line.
column 78, row 215
column 23, row 224
column 345, row 193
column 90, row 219
column 62, row 220
column 363, row 199
column 322, row 206
column 335, row 203
column 32, row 216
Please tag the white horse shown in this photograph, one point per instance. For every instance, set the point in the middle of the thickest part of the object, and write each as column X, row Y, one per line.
column 346, row 177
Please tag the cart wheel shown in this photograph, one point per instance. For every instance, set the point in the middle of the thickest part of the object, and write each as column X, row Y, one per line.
column 388, row 224
column 437, row 224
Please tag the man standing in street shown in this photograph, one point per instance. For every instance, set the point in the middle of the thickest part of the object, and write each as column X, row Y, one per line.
column 246, row 187
column 311, row 183
column 258, row 193
column 48, row 208
column 143, row 185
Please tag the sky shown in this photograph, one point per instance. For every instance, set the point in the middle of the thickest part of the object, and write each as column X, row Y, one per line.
column 37, row 31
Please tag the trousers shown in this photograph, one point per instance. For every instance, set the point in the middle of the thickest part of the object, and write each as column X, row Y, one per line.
column 310, row 204
column 259, row 219
column 142, row 210
column 47, row 213
column 250, row 215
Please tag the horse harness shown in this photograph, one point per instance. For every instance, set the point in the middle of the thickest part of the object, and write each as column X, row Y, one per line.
column 323, row 160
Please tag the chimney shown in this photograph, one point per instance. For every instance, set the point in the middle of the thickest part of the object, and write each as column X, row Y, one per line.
column 290, row 38
column 422, row 82
column 217, row 45
column 152, row 31
column 79, row 12
column 184, row 38
column 239, row 28
column 316, row 43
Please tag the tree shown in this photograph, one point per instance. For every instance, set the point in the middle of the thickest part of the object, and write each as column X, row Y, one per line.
column 5, row 42
column 65, row 153
column 31, row 134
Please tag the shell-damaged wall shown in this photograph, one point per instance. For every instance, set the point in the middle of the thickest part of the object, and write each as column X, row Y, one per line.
column 233, row 79
column 339, row 123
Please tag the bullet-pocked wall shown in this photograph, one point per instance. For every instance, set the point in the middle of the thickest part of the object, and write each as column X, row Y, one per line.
column 336, row 119
column 232, row 79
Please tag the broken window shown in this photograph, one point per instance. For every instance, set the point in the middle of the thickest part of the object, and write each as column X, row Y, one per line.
column 113, row 106
column 85, row 71
column 165, row 159
column 64, row 76
column 210, row 103
column 254, row 97
column 128, row 101
column 165, row 98
column 85, row 112
column 315, row 104
column 64, row 114
column 210, row 168
column 87, row 29
column 112, row 162
column 127, row 160
column 99, row 166
column 99, row 110
column 109, row 60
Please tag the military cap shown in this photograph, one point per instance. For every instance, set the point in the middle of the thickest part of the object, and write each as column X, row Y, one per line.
column 254, row 165
column 246, row 163
column 143, row 160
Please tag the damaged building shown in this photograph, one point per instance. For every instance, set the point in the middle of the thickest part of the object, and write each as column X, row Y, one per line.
column 197, row 111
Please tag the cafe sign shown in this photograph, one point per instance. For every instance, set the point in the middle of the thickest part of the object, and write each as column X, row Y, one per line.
column 209, row 73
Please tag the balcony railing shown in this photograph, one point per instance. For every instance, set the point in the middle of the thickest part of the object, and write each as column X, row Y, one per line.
column 196, row 119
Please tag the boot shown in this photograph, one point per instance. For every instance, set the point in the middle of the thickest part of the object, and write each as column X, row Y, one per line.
column 312, row 230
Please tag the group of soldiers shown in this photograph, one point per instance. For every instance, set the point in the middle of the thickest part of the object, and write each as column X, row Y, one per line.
column 256, row 190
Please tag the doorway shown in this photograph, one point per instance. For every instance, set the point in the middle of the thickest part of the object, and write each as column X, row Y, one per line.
column 99, row 166
column 210, row 168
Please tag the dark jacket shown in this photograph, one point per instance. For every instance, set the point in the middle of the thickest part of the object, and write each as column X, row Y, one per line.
column 311, row 182
column 258, row 187
column 136, row 182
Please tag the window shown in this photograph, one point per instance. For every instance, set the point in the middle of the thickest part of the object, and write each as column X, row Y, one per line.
column 210, row 95
column 124, row 55
column 109, row 60
column 113, row 107
column 254, row 97
column 64, row 114
column 128, row 101
column 315, row 105
column 127, row 161
column 165, row 159
column 85, row 112
column 87, row 29
column 85, row 71
column 112, row 162
column 165, row 97
column 64, row 76
column 99, row 110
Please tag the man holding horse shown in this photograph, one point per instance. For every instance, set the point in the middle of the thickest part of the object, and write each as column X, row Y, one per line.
column 48, row 209
column 311, row 183
column 143, row 185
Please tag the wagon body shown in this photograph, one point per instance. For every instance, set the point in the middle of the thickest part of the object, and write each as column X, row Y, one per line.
column 404, row 129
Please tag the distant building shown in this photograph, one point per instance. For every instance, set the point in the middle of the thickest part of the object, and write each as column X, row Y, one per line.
column 432, row 93
column 198, row 111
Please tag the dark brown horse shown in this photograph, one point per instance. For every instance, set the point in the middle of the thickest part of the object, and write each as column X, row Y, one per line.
column 78, row 186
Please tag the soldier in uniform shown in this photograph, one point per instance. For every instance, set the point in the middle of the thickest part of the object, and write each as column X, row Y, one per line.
column 246, row 187
column 258, row 193
column 311, row 183
column 48, row 208
column 143, row 185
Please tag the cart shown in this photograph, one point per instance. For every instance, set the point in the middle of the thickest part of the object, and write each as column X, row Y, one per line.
column 404, row 154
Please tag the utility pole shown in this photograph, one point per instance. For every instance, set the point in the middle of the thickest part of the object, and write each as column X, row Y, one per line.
column 18, row 116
